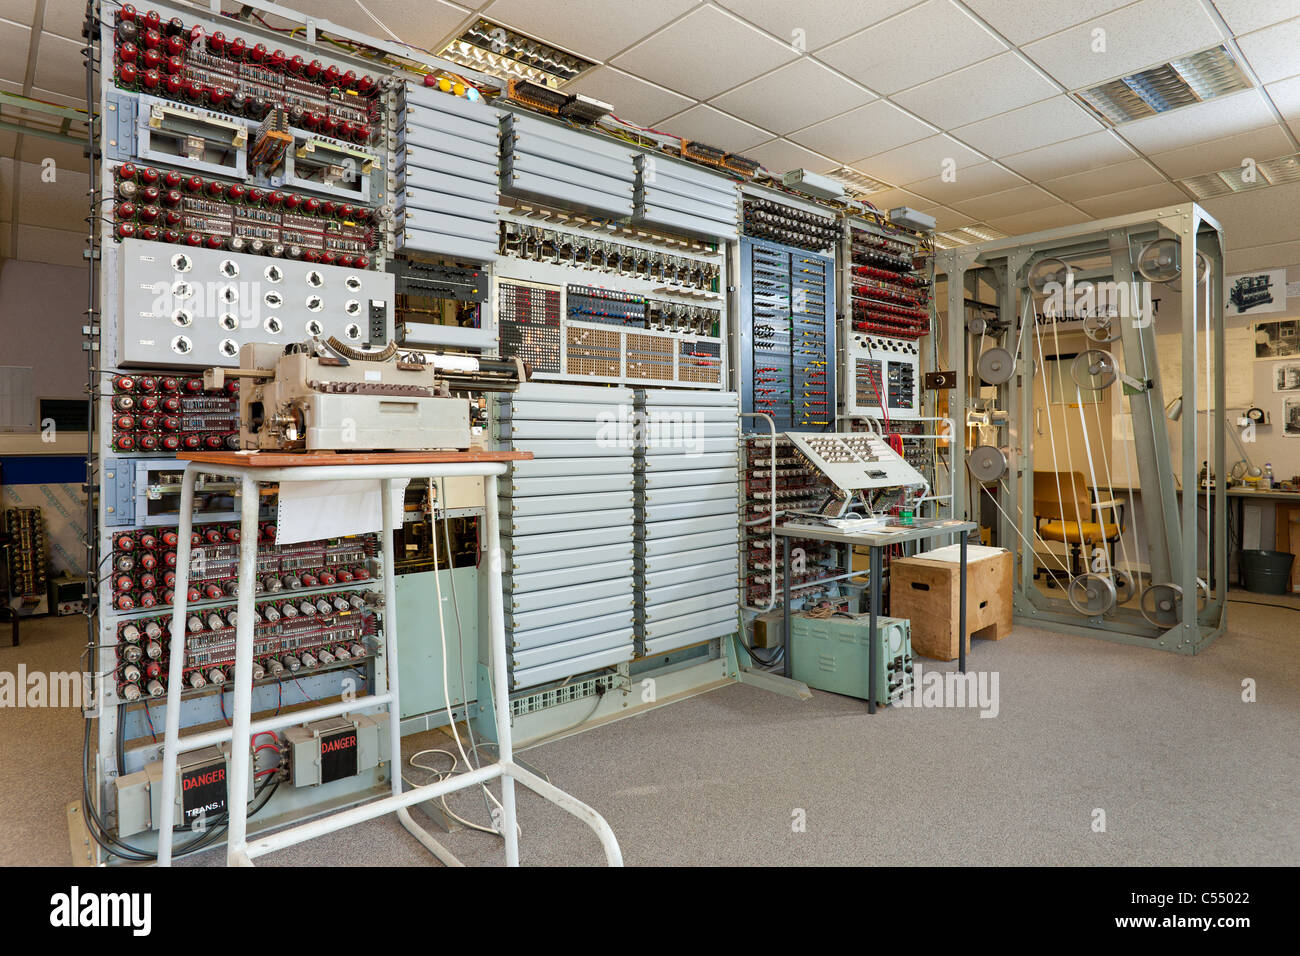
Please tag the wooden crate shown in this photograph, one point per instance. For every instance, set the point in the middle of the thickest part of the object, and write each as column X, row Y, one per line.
column 927, row 591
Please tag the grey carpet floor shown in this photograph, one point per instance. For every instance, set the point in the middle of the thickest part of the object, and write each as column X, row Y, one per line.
column 1184, row 770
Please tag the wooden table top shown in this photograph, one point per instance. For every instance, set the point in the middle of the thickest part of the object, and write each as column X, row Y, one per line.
column 300, row 459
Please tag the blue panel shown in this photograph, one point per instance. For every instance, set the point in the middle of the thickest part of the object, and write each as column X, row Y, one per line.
column 43, row 470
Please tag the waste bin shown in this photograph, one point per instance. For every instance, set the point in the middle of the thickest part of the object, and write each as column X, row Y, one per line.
column 1267, row 572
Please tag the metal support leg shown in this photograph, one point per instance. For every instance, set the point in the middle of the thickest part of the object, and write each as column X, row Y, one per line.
column 961, row 607
column 172, row 727
column 873, row 646
column 241, row 752
column 500, row 677
column 785, row 606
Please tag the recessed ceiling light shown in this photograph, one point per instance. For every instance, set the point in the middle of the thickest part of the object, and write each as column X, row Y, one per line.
column 1182, row 82
column 1236, row 179
column 856, row 183
column 507, row 54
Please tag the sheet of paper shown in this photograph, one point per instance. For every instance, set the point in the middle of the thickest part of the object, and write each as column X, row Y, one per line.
column 952, row 552
column 310, row 510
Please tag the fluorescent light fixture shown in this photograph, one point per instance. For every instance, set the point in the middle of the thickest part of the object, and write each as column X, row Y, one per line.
column 507, row 54
column 1236, row 179
column 856, row 183
column 1182, row 82
column 966, row 235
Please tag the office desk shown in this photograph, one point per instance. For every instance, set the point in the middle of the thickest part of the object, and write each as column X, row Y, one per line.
column 877, row 541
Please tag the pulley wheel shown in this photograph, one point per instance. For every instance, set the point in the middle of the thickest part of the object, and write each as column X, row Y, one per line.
column 1101, row 328
column 1091, row 594
column 995, row 366
column 1125, row 587
column 1094, row 370
column 1046, row 271
column 987, row 463
column 1162, row 604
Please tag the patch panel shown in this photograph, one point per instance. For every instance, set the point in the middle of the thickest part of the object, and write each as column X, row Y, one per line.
column 882, row 377
column 889, row 296
column 144, row 564
column 788, row 225
column 170, row 413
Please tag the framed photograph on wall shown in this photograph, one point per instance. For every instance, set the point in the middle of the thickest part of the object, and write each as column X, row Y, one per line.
column 1280, row 339
column 1291, row 417
column 1286, row 377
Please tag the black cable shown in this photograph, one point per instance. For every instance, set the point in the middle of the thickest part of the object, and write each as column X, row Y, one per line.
column 1281, row 607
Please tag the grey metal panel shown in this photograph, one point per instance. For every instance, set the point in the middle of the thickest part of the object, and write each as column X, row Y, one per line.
column 583, row 197
column 658, row 513
column 677, row 398
column 665, row 565
column 720, row 589
column 551, row 158
column 441, row 224
column 570, row 449
column 582, row 394
column 614, row 642
column 521, row 566
column 669, row 529
column 413, row 205
column 689, row 605
column 702, row 413
column 416, row 140
column 439, row 182
column 439, row 161
column 658, row 547
column 570, row 612
column 521, row 605
column 572, row 521
column 666, row 181
column 519, row 125
column 684, row 622
column 456, row 127
column 661, row 480
column 532, row 544
column 557, row 577
column 727, row 567
column 469, row 109
column 150, row 323
column 523, row 409
column 674, row 429
column 620, row 622
column 680, row 222
column 560, row 504
column 531, row 676
column 703, row 446
column 441, row 244
column 654, row 202
column 696, row 635
column 541, row 468
column 568, row 484
column 710, row 460
column 526, row 428
column 698, row 491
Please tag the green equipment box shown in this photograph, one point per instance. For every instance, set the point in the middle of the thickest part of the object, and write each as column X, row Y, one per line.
column 831, row 654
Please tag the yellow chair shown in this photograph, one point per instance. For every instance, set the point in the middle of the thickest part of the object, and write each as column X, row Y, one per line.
column 1061, row 498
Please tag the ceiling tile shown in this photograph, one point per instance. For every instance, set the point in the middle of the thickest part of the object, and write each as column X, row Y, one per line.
column 1133, row 200
column 1215, row 118
column 993, row 86
column 14, row 40
column 22, row 11
column 795, row 96
column 60, row 66
column 780, row 156
column 1009, row 202
column 1104, row 179
column 1271, row 52
column 1038, row 220
column 1261, row 144
column 946, row 218
column 596, row 29
column 917, row 45
column 920, row 160
column 1039, row 124
column 715, row 128
column 1258, row 216
column 872, row 129
column 1022, row 22
column 1095, row 149
column 634, row 99
column 971, row 182
column 1246, row 15
column 704, row 53
column 888, row 199
column 426, row 25
column 1261, row 257
column 1286, row 97
column 1136, row 36
column 822, row 21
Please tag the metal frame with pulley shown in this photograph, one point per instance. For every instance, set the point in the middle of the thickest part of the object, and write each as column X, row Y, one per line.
column 1137, row 598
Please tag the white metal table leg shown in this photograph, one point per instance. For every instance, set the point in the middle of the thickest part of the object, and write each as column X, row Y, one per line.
column 176, row 646
column 240, row 749
column 500, row 677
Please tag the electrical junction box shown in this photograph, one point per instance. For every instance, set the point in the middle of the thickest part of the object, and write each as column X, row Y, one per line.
column 200, row 791
column 832, row 654
column 911, row 219
column 335, row 748
column 812, row 184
